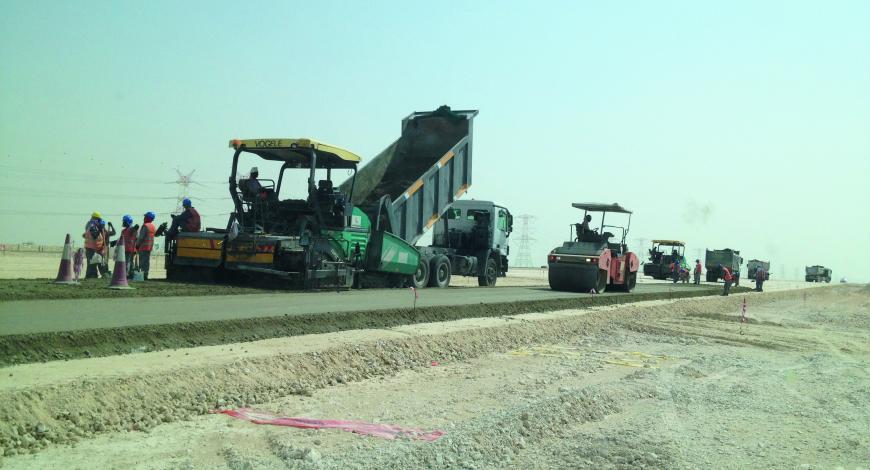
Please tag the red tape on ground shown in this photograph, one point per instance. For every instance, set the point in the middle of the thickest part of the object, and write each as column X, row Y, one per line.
column 386, row 431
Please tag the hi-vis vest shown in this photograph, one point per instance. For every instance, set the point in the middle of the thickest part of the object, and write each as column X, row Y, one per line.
column 91, row 242
column 148, row 240
column 128, row 235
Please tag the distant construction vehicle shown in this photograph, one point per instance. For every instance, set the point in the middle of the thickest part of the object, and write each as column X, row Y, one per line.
column 753, row 265
column 818, row 274
column 728, row 258
column 590, row 260
column 362, row 233
column 661, row 256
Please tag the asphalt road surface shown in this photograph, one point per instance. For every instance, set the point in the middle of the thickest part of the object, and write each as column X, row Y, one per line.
column 40, row 316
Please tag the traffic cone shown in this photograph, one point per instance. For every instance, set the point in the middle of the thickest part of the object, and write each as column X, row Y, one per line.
column 119, row 274
column 65, row 272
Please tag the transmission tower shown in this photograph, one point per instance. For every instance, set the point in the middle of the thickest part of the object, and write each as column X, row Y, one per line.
column 183, row 182
column 641, row 246
column 524, row 255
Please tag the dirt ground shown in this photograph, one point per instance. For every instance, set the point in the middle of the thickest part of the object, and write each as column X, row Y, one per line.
column 662, row 384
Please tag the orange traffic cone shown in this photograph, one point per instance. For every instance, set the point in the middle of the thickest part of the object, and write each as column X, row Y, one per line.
column 119, row 274
column 65, row 272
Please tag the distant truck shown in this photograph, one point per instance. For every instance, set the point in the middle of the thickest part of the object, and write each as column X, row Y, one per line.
column 753, row 265
column 818, row 274
column 728, row 258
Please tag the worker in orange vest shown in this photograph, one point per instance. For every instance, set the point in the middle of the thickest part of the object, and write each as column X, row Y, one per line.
column 698, row 272
column 94, row 243
column 146, row 242
column 129, row 234
column 726, row 275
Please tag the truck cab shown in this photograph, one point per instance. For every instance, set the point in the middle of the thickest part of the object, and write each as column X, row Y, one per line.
column 473, row 236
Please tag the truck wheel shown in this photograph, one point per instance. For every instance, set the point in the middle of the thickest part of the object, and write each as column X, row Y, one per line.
column 489, row 275
column 421, row 276
column 439, row 272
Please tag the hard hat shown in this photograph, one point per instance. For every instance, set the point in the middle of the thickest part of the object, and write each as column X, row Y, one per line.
column 96, row 215
column 127, row 219
column 186, row 202
column 255, row 170
column 150, row 215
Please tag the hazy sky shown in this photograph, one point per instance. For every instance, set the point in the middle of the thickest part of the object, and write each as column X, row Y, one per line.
column 742, row 124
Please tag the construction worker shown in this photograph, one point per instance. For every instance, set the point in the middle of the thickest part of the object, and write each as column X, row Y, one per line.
column 726, row 275
column 108, row 233
column 675, row 266
column 253, row 184
column 129, row 235
column 94, row 243
column 698, row 272
column 759, row 279
column 187, row 221
column 583, row 227
column 145, row 243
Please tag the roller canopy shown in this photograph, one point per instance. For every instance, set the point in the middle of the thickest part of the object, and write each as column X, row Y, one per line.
column 298, row 152
column 669, row 242
column 599, row 207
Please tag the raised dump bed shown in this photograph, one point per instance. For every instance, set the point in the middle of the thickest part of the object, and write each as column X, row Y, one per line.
column 409, row 185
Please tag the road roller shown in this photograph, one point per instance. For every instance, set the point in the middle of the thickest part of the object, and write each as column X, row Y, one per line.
column 594, row 260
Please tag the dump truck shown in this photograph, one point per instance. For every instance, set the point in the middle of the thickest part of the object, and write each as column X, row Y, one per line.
column 661, row 256
column 818, row 274
column 591, row 260
column 361, row 233
column 753, row 265
column 728, row 258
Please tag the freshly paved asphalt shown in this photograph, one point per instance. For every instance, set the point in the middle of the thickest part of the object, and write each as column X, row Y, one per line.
column 40, row 316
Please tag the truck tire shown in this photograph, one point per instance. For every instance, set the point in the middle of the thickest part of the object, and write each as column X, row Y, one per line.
column 489, row 275
column 439, row 271
column 711, row 277
column 421, row 277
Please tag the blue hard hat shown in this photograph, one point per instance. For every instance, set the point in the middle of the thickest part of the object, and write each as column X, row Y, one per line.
column 127, row 219
column 186, row 202
column 150, row 215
